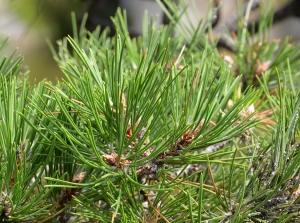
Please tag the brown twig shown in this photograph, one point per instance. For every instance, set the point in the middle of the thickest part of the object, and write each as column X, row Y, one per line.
column 212, row 179
column 156, row 210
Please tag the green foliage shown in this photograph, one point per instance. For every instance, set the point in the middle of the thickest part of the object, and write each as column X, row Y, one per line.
column 9, row 65
column 151, row 129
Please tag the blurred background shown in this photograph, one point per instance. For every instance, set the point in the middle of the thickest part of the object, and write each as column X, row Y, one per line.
column 30, row 22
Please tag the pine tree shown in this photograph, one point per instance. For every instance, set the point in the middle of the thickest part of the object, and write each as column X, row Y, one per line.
column 158, row 128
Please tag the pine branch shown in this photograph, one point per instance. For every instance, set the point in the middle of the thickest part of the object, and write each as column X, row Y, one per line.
column 153, row 129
